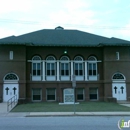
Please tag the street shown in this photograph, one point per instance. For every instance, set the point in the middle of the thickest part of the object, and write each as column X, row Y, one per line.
column 61, row 123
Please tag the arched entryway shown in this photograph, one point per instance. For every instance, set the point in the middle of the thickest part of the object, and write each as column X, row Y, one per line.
column 10, row 86
column 119, row 86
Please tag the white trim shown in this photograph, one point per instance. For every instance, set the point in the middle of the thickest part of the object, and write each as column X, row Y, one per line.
column 58, row 71
column 64, row 61
column 65, row 78
column 43, row 71
column 51, row 78
column 86, row 71
column 79, row 77
column 36, row 78
column 71, row 70
column 94, row 61
column 118, row 81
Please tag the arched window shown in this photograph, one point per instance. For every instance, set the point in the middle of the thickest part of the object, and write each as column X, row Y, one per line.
column 78, row 66
column 11, row 76
column 36, row 58
column 50, row 58
column 92, row 66
column 118, row 76
column 64, row 66
column 36, row 66
column 50, row 66
column 64, row 58
column 92, row 58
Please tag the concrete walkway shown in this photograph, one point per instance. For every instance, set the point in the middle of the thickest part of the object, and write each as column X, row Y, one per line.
column 3, row 107
column 4, row 113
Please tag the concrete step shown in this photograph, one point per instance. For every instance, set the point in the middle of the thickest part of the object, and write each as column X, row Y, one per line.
column 123, row 102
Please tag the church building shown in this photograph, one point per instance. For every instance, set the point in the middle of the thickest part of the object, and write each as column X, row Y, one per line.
column 40, row 67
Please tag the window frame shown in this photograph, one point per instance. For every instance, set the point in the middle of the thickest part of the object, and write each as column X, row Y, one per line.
column 64, row 60
column 92, row 61
column 50, row 60
column 36, row 60
column 78, row 60
column 47, row 94
column 40, row 94
column 80, row 94
column 93, row 94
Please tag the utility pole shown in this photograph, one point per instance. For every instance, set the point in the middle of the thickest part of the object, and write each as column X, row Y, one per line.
column 74, row 86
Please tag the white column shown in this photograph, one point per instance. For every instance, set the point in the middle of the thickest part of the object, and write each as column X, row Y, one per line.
column 43, row 71
column 86, row 78
column 71, row 70
column 58, row 71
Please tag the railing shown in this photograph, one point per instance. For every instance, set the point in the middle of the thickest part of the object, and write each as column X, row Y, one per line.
column 11, row 103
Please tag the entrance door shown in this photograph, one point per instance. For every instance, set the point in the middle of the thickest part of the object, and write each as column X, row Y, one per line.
column 9, row 90
column 119, row 91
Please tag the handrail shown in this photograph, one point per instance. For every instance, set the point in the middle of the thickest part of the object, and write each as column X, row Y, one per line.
column 11, row 103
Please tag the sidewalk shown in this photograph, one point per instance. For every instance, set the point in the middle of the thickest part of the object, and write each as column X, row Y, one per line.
column 52, row 114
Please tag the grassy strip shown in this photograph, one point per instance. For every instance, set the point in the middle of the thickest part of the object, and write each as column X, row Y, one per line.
column 82, row 107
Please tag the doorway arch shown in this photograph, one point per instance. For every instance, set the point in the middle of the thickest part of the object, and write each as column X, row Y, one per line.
column 119, row 86
column 10, row 86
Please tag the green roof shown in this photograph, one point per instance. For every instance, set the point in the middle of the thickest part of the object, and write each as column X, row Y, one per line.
column 61, row 37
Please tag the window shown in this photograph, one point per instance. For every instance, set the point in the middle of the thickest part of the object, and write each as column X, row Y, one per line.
column 36, row 69
column 92, row 66
column 36, row 66
column 93, row 93
column 92, row 69
column 80, row 94
column 51, row 94
column 11, row 55
column 36, row 94
column 78, row 66
column 64, row 69
column 50, row 66
column 11, row 76
column 117, row 56
column 118, row 76
column 64, row 66
column 50, row 69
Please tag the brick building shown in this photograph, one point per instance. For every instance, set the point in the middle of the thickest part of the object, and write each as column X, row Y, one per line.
column 38, row 66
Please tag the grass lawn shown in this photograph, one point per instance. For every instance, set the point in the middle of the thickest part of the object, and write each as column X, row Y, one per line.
column 82, row 107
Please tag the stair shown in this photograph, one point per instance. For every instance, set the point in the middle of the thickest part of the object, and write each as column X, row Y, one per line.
column 123, row 102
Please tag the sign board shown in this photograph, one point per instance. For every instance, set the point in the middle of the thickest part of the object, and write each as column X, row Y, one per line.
column 73, row 81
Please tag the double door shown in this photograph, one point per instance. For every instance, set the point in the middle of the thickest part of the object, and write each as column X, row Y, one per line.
column 10, row 90
column 119, row 91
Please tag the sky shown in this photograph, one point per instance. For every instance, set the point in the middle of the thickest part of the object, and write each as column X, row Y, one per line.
column 109, row 18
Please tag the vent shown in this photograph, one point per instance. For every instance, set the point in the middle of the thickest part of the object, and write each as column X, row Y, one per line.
column 59, row 28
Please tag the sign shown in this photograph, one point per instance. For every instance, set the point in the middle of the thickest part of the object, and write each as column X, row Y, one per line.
column 73, row 81
column 123, row 124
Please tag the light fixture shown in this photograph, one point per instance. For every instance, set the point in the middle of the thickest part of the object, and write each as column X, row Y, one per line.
column 65, row 51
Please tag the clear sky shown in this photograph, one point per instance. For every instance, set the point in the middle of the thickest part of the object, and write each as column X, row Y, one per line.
column 110, row 18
